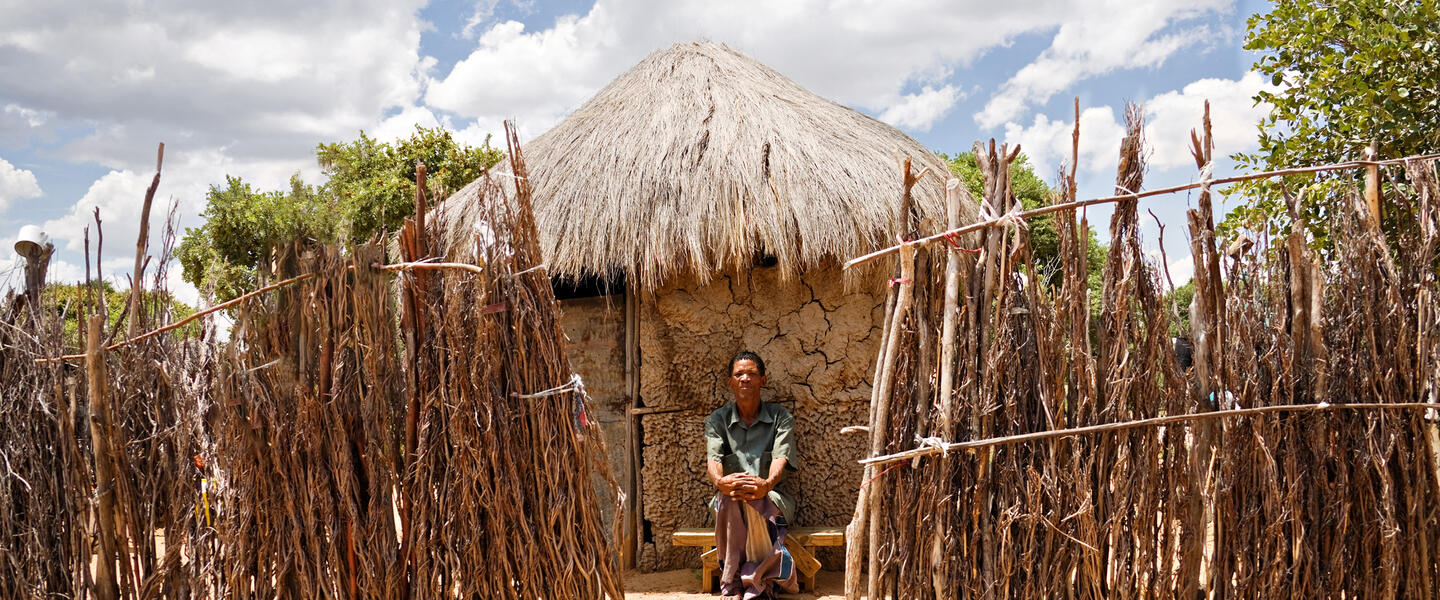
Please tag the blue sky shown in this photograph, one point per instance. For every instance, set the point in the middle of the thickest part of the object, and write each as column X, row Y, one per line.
column 249, row 89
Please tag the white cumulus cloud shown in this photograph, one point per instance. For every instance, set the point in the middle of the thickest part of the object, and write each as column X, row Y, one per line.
column 870, row 54
column 1114, row 35
column 1049, row 142
column 119, row 195
column 185, row 179
column 1233, row 116
column 16, row 184
column 19, row 125
column 919, row 111
column 1169, row 117
column 258, row 80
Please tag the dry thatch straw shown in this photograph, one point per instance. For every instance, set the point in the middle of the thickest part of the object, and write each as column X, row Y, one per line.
column 699, row 158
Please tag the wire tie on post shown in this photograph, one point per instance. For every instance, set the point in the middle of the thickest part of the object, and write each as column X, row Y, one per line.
column 1014, row 218
column 877, row 476
column 955, row 245
column 934, row 442
column 899, row 280
column 1206, row 173
column 575, row 383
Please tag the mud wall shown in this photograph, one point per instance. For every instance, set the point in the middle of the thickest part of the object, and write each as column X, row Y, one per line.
column 595, row 333
column 819, row 345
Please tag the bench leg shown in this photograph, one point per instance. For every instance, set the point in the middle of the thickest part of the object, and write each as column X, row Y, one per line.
column 709, row 563
column 806, row 564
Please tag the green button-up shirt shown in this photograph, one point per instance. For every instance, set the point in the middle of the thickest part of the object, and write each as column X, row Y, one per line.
column 751, row 448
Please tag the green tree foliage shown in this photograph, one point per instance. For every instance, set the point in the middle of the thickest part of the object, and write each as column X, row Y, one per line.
column 71, row 301
column 1033, row 193
column 373, row 183
column 370, row 191
column 242, row 225
column 1350, row 72
column 1182, row 297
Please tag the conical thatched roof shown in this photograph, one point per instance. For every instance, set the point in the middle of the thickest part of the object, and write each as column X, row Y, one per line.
column 699, row 158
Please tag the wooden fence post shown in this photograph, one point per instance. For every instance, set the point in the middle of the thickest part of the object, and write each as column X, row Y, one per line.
column 630, row 539
column 1372, row 186
column 140, row 243
column 105, row 584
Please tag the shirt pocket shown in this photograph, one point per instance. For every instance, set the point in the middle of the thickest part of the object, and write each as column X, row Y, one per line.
column 736, row 463
column 731, row 463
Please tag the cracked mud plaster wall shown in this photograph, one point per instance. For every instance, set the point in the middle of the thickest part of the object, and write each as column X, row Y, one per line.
column 595, row 345
column 818, row 343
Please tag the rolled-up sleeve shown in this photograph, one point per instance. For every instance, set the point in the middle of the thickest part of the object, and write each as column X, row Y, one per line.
column 714, row 438
column 784, row 446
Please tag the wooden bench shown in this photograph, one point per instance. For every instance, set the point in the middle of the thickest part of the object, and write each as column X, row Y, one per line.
column 800, row 541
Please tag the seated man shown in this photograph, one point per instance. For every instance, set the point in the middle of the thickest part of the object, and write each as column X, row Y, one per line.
column 749, row 447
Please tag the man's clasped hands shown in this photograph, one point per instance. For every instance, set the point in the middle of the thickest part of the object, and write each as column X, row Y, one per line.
column 744, row 486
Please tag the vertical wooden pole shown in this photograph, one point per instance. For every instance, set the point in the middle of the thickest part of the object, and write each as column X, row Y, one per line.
column 136, row 286
column 940, row 578
column 1208, row 336
column 630, row 541
column 420, row 209
column 855, row 541
column 996, row 169
column 35, row 269
column 1372, row 187
column 105, row 583
column 412, row 248
column 410, row 316
column 953, row 194
column 882, row 408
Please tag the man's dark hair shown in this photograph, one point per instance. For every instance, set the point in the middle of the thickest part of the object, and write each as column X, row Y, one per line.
column 746, row 355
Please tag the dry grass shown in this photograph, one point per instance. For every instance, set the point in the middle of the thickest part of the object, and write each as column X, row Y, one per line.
column 699, row 158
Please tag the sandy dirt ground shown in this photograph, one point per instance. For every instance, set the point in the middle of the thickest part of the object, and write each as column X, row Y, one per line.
column 685, row 585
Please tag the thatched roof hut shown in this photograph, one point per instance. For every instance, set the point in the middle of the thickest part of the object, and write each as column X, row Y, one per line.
column 700, row 157
column 724, row 196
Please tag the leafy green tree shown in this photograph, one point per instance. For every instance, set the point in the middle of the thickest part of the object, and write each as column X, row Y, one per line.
column 371, row 188
column 1350, row 72
column 1033, row 193
column 1182, row 297
column 242, row 225
column 373, row 182
column 70, row 301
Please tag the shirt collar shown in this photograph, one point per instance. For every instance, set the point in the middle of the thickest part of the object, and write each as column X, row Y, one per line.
column 766, row 413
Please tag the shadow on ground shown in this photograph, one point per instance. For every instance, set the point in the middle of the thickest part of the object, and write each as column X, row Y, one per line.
column 685, row 584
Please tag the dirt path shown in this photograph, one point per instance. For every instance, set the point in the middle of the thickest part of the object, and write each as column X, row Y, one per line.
column 685, row 585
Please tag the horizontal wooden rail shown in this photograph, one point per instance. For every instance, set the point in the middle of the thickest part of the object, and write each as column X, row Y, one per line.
column 1008, row 440
column 1045, row 210
column 269, row 288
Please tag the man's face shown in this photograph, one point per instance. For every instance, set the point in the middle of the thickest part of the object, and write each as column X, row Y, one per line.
column 746, row 380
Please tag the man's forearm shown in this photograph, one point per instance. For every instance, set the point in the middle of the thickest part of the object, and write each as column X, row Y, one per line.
column 777, row 472
column 715, row 470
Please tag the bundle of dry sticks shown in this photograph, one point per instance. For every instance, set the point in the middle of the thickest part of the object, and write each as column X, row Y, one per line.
column 1025, row 447
column 340, row 445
